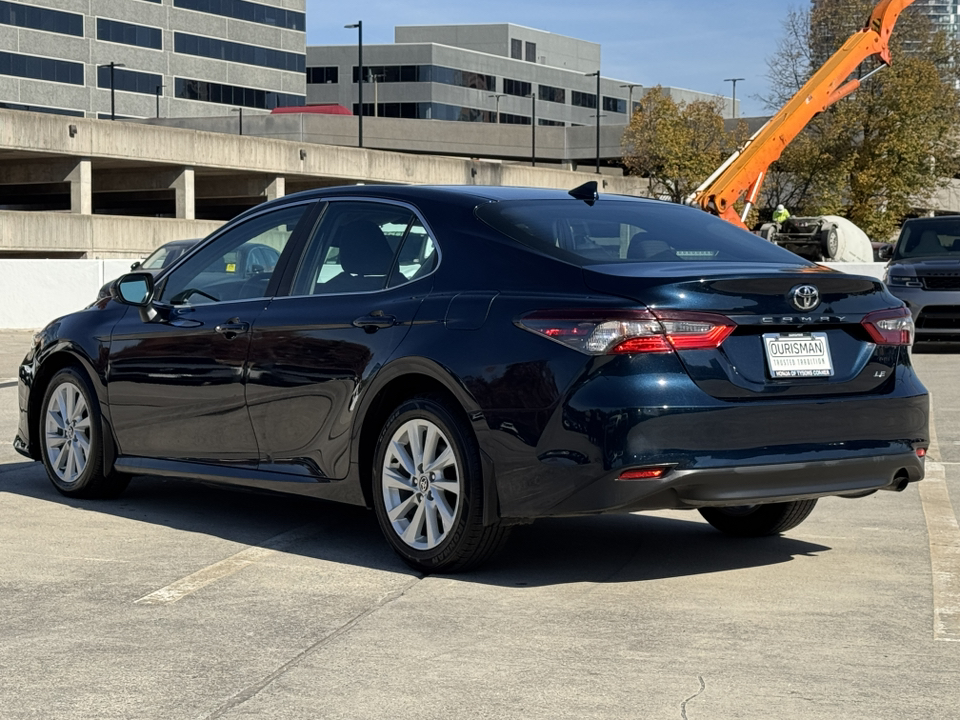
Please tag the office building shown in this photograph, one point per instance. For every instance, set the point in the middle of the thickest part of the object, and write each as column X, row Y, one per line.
column 170, row 57
column 477, row 73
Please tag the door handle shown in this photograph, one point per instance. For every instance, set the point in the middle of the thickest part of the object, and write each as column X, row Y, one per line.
column 232, row 328
column 375, row 321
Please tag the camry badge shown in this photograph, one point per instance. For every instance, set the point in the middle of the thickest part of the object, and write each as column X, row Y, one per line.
column 805, row 297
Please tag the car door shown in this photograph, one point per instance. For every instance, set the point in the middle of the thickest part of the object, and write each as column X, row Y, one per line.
column 176, row 382
column 355, row 295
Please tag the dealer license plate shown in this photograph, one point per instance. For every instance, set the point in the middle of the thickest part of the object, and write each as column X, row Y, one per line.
column 798, row 355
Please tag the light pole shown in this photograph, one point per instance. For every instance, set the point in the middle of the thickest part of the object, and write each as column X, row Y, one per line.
column 734, row 81
column 112, row 65
column 158, row 91
column 498, row 96
column 240, row 111
column 376, row 80
column 359, row 26
column 533, row 129
column 630, row 87
column 597, row 74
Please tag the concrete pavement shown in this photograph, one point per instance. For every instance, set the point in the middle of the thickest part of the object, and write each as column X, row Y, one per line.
column 300, row 610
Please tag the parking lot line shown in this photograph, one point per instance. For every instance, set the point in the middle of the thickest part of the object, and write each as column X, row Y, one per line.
column 226, row 567
column 944, row 534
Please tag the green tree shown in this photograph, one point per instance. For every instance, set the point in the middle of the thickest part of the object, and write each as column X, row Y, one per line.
column 885, row 150
column 675, row 145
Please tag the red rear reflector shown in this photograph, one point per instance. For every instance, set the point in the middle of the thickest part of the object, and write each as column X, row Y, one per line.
column 921, row 452
column 643, row 473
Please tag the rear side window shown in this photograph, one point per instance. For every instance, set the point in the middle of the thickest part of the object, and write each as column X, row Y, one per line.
column 615, row 231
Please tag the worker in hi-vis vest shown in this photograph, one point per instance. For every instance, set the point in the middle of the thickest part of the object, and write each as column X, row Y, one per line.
column 780, row 214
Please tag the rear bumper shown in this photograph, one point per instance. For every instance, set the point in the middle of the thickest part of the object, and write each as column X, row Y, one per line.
column 746, row 485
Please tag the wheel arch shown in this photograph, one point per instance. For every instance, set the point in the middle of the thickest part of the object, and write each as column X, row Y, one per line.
column 402, row 380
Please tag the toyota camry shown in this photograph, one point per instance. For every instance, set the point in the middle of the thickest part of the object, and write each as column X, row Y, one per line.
column 465, row 359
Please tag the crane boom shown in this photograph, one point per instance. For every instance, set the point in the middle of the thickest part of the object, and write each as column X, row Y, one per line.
column 743, row 172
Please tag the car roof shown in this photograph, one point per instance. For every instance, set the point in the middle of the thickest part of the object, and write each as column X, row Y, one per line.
column 466, row 193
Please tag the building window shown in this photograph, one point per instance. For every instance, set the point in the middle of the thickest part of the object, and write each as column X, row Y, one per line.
column 516, row 87
column 426, row 73
column 427, row 111
column 552, row 94
column 121, row 32
column 510, row 119
column 238, row 52
column 614, row 105
column 41, row 109
column 249, row 11
column 37, row 18
column 129, row 80
column 37, row 68
column 580, row 99
column 516, row 49
column 323, row 75
column 551, row 123
column 234, row 95
column 531, row 49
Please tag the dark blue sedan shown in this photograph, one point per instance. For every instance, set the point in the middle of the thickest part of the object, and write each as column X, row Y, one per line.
column 464, row 359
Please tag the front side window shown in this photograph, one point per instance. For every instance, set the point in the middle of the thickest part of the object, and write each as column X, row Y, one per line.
column 615, row 231
column 364, row 247
column 238, row 265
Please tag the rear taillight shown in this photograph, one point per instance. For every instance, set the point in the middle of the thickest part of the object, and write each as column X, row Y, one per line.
column 620, row 332
column 890, row 327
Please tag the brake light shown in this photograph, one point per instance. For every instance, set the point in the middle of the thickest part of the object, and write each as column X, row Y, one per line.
column 890, row 327
column 622, row 332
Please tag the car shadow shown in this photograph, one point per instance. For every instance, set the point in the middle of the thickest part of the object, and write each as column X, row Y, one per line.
column 555, row 551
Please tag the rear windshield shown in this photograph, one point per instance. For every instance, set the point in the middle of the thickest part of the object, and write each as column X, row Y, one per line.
column 615, row 231
column 929, row 238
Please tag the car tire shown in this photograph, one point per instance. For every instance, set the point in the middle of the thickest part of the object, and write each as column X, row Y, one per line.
column 768, row 231
column 71, row 438
column 428, row 489
column 758, row 520
column 829, row 242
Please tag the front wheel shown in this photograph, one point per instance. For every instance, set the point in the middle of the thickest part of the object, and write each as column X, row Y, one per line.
column 428, row 489
column 829, row 242
column 72, row 439
column 758, row 520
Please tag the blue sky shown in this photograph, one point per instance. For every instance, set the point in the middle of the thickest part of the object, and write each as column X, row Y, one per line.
column 691, row 44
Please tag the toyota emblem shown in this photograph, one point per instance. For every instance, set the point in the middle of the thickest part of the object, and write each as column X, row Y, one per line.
column 805, row 297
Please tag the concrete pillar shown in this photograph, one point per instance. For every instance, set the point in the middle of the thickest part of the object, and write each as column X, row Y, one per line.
column 276, row 188
column 81, row 188
column 183, row 186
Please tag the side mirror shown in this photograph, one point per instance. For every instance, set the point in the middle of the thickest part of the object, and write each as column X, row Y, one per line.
column 133, row 289
column 886, row 252
column 137, row 264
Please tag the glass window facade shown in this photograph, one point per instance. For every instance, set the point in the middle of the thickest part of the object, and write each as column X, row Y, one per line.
column 511, row 119
column 323, row 75
column 37, row 108
column 426, row 74
column 531, row 52
column 552, row 94
column 129, row 80
column 516, row 87
column 428, row 111
column 37, row 68
column 550, row 123
column 516, row 49
column 616, row 105
column 581, row 99
column 128, row 34
column 188, row 89
column 37, row 18
column 238, row 52
column 249, row 11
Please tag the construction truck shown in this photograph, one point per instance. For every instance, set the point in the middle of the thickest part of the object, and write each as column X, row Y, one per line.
column 743, row 172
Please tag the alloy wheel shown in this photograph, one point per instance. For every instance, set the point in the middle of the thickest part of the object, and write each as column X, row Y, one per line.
column 67, row 432
column 422, row 484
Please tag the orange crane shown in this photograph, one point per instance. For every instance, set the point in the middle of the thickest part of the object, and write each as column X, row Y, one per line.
column 743, row 172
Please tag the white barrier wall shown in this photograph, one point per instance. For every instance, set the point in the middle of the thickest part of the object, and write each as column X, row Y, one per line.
column 34, row 292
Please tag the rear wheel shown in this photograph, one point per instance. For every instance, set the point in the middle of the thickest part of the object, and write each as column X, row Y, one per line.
column 428, row 489
column 758, row 520
column 72, row 440
column 829, row 242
